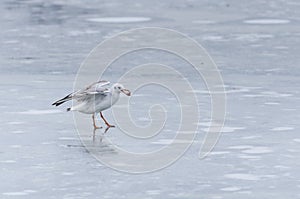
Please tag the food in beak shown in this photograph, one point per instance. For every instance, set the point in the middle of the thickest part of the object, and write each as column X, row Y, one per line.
column 126, row 92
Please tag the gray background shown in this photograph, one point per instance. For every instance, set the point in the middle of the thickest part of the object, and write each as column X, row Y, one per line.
column 256, row 47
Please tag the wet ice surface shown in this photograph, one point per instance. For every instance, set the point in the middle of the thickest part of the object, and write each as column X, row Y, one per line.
column 255, row 47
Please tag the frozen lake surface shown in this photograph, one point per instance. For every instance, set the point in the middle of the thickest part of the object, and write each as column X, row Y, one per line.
column 256, row 46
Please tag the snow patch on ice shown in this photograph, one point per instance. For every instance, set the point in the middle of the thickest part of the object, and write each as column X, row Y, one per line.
column 153, row 192
column 219, row 152
column 119, row 19
column 39, row 112
column 213, row 38
column 271, row 103
column 296, row 140
column 240, row 147
column 249, row 157
column 17, row 132
column 20, row 193
column 258, row 150
column 282, row 128
column 230, row 189
column 67, row 173
column 170, row 141
column 8, row 161
column 15, row 193
column 267, row 21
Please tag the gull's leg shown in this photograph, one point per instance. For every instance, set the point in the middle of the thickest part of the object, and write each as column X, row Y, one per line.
column 107, row 124
column 94, row 123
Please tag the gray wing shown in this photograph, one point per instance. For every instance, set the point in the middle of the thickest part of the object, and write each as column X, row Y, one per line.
column 97, row 89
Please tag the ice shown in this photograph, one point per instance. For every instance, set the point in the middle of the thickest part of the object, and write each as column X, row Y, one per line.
column 241, row 147
column 255, row 45
column 282, row 128
column 67, row 173
column 169, row 141
column 252, row 37
column 15, row 193
column 15, row 146
column 11, row 42
column 40, row 112
column 67, row 138
column 249, row 157
column 296, row 140
column 276, row 94
column 230, row 189
column 213, row 38
column 119, row 19
column 153, row 192
column 16, row 122
column 227, row 129
column 258, row 150
column 205, row 22
column 272, row 103
column 17, row 132
column 227, row 91
column 219, row 152
column 267, row 21
column 242, row 176
column 8, row 161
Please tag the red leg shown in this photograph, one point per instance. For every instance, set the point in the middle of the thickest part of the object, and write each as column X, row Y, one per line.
column 94, row 123
column 107, row 124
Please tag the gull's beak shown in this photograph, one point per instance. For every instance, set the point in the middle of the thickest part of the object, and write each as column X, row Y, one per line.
column 126, row 92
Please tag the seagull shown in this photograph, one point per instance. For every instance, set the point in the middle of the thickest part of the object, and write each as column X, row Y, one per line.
column 94, row 99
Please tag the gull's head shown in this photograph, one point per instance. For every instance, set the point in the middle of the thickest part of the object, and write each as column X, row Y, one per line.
column 120, row 88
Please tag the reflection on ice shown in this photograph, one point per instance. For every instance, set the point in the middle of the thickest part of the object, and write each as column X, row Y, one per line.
column 97, row 143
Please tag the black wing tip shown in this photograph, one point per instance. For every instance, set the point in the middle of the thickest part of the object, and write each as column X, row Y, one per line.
column 57, row 103
column 63, row 100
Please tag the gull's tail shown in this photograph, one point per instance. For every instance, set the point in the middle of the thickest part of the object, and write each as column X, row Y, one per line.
column 63, row 100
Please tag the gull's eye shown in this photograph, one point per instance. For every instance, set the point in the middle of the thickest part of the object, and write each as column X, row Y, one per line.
column 119, row 87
